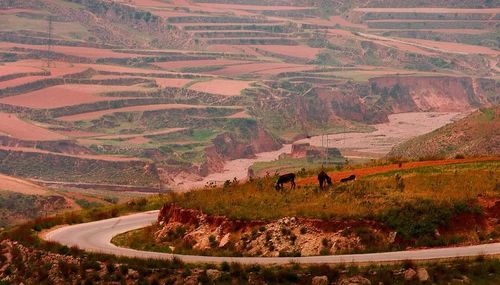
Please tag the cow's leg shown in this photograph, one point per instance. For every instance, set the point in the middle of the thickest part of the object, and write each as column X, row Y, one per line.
column 293, row 184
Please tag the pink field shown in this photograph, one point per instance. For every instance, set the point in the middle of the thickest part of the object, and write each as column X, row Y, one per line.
column 221, row 86
column 57, row 68
column 98, row 114
column 64, row 95
column 429, row 10
column 11, row 125
column 7, row 69
column 13, row 184
column 454, row 47
column 269, row 68
column 197, row 63
column 172, row 82
column 296, row 51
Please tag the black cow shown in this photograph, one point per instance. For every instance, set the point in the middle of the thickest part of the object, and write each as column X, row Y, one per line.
column 322, row 178
column 352, row 177
column 285, row 178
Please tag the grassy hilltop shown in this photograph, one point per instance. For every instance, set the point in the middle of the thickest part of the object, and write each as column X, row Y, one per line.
column 478, row 134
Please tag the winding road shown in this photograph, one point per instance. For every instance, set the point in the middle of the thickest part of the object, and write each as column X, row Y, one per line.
column 96, row 237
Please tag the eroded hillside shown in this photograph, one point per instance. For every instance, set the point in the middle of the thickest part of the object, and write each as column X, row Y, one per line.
column 153, row 94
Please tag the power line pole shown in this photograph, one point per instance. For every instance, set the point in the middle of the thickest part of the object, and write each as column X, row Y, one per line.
column 49, row 43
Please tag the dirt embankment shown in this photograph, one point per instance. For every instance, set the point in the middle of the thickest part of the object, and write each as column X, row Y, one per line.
column 382, row 96
column 426, row 94
column 286, row 236
column 229, row 146
column 294, row 236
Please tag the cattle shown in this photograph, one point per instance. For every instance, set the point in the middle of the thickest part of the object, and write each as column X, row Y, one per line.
column 346, row 179
column 322, row 178
column 285, row 178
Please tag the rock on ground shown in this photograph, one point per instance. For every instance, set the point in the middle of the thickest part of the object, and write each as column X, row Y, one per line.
column 422, row 274
column 320, row 280
column 355, row 280
column 410, row 274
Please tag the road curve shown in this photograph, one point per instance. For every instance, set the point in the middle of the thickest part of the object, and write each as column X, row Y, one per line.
column 96, row 237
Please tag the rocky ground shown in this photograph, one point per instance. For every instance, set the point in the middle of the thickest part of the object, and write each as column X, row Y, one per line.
column 24, row 265
column 288, row 236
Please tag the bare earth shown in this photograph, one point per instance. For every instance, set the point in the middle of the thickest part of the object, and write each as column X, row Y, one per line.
column 13, row 184
column 376, row 144
column 235, row 168
column 354, row 145
column 221, row 86
column 11, row 125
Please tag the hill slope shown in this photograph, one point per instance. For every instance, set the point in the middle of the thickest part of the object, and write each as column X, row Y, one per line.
column 475, row 135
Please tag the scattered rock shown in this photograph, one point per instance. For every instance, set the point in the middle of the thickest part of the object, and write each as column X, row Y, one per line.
column 422, row 274
column 355, row 280
column 255, row 280
column 225, row 240
column 410, row 274
column 392, row 237
column 213, row 274
column 191, row 280
column 319, row 280
column 133, row 274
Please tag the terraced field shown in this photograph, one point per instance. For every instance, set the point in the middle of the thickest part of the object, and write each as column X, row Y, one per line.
column 182, row 87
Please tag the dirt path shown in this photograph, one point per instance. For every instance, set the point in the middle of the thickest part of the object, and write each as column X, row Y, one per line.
column 337, row 175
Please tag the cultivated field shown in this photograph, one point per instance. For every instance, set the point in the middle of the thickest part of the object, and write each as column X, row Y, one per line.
column 221, row 86
column 97, row 114
column 11, row 125
column 169, row 81
column 65, row 95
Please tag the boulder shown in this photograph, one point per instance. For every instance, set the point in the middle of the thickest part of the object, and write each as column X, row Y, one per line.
column 319, row 280
column 422, row 274
column 213, row 274
column 355, row 280
column 191, row 280
column 410, row 274
column 225, row 240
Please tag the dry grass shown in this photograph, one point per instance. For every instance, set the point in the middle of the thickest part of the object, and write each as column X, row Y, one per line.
column 442, row 186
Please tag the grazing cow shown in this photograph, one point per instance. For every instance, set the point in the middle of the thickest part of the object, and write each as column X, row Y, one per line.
column 285, row 178
column 322, row 178
column 352, row 177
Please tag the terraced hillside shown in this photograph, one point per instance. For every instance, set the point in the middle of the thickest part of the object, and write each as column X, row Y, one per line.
column 151, row 95
column 475, row 135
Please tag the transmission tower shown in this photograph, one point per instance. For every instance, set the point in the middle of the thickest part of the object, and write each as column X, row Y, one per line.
column 49, row 43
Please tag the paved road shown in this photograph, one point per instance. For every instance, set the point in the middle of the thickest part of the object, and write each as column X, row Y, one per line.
column 96, row 237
